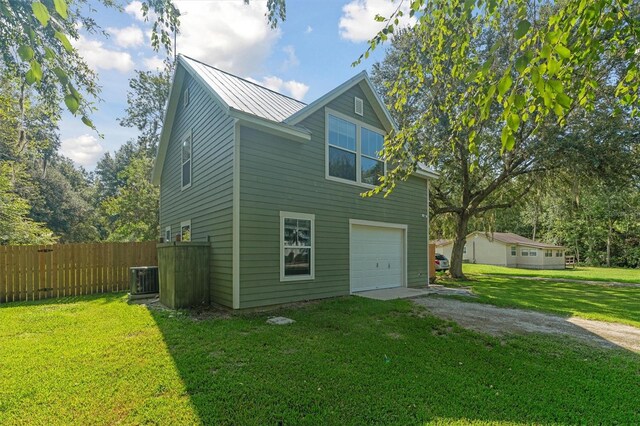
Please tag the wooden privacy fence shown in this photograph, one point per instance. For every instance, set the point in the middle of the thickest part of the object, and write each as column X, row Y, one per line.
column 61, row 270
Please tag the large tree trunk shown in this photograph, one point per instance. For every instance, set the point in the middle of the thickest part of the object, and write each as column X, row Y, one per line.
column 455, row 268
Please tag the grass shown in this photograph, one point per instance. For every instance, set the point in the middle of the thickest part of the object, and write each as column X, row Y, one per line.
column 98, row 360
column 599, row 302
column 580, row 273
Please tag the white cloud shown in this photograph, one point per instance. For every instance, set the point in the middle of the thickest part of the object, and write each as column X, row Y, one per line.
column 83, row 150
column 153, row 63
column 135, row 8
column 131, row 36
column 230, row 35
column 291, row 60
column 308, row 30
column 293, row 88
column 358, row 18
column 98, row 57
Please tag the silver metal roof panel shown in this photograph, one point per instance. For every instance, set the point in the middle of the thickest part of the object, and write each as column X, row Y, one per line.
column 244, row 95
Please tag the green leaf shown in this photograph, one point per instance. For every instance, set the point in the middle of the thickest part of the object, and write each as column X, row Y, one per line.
column 29, row 77
column 505, row 84
column 508, row 141
column 41, row 13
column 513, row 121
column 72, row 103
column 61, row 8
column 553, row 66
column 64, row 40
column 522, row 29
column 521, row 63
column 88, row 122
column 62, row 76
column 519, row 101
column 564, row 100
column 36, row 69
column 49, row 54
column 556, row 85
column 26, row 53
column 562, row 51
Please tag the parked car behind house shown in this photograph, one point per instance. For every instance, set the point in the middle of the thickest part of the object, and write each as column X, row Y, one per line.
column 442, row 263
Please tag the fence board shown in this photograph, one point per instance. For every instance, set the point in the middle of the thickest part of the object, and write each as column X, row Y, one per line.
column 64, row 270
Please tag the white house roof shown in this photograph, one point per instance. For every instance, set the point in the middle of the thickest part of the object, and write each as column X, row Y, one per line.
column 244, row 95
column 511, row 238
column 508, row 238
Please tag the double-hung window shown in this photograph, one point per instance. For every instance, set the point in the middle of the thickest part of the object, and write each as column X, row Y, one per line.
column 548, row 253
column 559, row 253
column 297, row 242
column 167, row 234
column 186, row 161
column 354, row 151
column 513, row 250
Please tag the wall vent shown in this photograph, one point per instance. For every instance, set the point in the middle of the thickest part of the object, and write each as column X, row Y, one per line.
column 359, row 106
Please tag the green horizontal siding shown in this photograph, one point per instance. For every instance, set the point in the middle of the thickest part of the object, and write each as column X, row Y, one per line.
column 282, row 175
column 208, row 202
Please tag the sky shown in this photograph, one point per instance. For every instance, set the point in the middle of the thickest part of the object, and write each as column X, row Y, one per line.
column 306, row 56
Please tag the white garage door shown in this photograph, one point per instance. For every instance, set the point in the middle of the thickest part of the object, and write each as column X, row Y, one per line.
column 376, row 257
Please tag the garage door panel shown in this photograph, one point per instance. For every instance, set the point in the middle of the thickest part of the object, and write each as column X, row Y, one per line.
column 377, row 257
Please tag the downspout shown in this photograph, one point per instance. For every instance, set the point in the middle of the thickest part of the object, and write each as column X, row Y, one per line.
column 428, row 235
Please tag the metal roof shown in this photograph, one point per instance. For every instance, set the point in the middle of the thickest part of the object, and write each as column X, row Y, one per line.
column 244, row 95
column 511, row 238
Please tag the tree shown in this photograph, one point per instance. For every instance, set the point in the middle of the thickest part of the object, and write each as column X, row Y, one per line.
column 146, row 99
column 16, row 227
column 34, row 43
column 555, row 66
column 479, row 179
column 133, row 210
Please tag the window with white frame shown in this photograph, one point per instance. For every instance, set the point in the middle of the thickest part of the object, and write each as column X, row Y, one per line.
column 185, row 231
column 186, row 161
column 559, row 253
column 297, row 242
column 533, row 252
column 513, row 251
column 354, row 151
column 548, row 253
column 167, row 233
column 464, row 250
column 524, row 252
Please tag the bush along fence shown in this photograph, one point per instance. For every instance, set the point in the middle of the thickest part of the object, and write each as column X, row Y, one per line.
column 63, row 270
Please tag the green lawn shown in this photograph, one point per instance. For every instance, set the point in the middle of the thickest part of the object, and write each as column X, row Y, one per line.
column 592, row 301
column 98, row 360
column 580, row 273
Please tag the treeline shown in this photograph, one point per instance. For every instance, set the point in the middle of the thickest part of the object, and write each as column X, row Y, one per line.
column 46, row 198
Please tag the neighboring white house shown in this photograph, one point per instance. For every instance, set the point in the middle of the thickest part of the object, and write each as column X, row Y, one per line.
column 507, row 249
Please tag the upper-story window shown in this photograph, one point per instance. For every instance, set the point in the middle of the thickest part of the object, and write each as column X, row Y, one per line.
column 353, row 152
column 186, row 161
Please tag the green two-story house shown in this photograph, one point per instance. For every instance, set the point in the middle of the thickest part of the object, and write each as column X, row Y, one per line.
column 274, row 185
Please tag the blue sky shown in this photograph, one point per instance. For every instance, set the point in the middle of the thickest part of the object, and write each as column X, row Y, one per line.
column 305, row 57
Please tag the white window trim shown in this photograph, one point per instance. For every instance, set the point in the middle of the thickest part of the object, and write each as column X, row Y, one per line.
column 303, row 216
column 359, row 124
column 523, row 251
column 182, row 225
column 167, row 230
column 188, row 135
column 514, row 250
column 533, row 252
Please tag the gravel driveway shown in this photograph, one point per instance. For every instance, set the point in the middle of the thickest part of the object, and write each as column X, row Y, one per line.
column 499, row 321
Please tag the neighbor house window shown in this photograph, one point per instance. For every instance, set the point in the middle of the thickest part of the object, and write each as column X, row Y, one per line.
column 353, row 152
column 559, row 253
column 524, row 253
column 533, row 252
column 464, row 250
column 167, row 233
column 297, row 242
column 186, row 161
column 513, row 251
column 548, row 253
column 185, row 231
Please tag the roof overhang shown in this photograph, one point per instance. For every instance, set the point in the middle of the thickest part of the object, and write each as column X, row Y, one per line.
column 279, row 129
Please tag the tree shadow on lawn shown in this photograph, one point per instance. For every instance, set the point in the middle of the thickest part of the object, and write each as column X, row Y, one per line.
column 359, row 361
